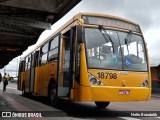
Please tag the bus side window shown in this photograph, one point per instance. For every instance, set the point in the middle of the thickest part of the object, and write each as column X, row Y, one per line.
column 53, row 53
column 37, row 58
column 26, row 63
column 33, row 60
column 44, row 53
column 22, row 66
column 29, row 62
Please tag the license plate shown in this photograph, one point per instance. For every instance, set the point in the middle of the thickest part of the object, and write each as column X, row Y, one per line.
column 124, row 92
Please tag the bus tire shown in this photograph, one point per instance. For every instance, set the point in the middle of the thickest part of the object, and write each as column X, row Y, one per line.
column 23, row 89
column 102, row 104
column 53, row 95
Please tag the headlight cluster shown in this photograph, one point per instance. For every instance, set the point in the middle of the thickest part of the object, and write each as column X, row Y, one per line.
column 145, row 83
column 94, row 80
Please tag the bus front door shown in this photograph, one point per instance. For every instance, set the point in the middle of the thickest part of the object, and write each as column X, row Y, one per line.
column 32, row 74
column 34, row 62
column 64, row 65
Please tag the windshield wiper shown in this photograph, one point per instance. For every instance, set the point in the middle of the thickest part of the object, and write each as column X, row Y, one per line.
column 106, row 36
column 128, row 39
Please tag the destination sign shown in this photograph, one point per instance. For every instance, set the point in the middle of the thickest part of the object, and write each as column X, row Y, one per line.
column 110, row 22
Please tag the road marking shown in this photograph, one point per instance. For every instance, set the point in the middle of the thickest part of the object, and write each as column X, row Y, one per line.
column 129, row 118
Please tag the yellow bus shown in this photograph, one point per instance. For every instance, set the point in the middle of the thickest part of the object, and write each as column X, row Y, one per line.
column 91, row 58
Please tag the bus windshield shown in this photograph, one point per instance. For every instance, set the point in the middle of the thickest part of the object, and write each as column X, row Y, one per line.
column 124, row 51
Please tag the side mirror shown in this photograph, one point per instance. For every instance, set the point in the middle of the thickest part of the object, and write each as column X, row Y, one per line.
column 79, row 34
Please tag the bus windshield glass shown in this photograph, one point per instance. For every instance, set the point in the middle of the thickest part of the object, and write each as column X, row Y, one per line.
column 123, row 51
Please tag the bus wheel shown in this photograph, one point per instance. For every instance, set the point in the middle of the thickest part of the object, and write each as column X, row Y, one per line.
column 53, row 95
column 23, row 90
column 102, row 104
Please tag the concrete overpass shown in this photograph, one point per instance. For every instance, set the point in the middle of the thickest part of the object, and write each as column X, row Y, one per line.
column 22, row 22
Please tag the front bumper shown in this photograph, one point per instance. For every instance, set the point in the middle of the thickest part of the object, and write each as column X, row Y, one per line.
column 109, row 93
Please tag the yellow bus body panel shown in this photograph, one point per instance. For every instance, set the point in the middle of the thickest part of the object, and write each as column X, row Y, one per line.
column 26, row 76
column 81, row 93
column 36, row 90
column 85, row 94
column 42, row 77
column 22, row 76
column 131, row 79
column 42, row 81
column 83, row 66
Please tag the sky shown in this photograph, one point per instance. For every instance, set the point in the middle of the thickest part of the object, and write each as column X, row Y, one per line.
column 144, row 12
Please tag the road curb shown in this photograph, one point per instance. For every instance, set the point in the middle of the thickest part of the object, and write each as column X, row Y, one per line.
column 155, row 96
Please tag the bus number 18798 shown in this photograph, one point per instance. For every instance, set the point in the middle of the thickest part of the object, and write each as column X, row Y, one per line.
column 107, row 75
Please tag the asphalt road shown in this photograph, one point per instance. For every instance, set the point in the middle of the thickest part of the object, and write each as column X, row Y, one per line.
column 13, row 101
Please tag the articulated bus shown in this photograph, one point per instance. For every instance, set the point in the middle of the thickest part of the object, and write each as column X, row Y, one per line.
column 91, row 58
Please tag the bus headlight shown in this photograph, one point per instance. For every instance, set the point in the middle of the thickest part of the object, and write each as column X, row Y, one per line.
column 145, row 83
column 94, row 80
